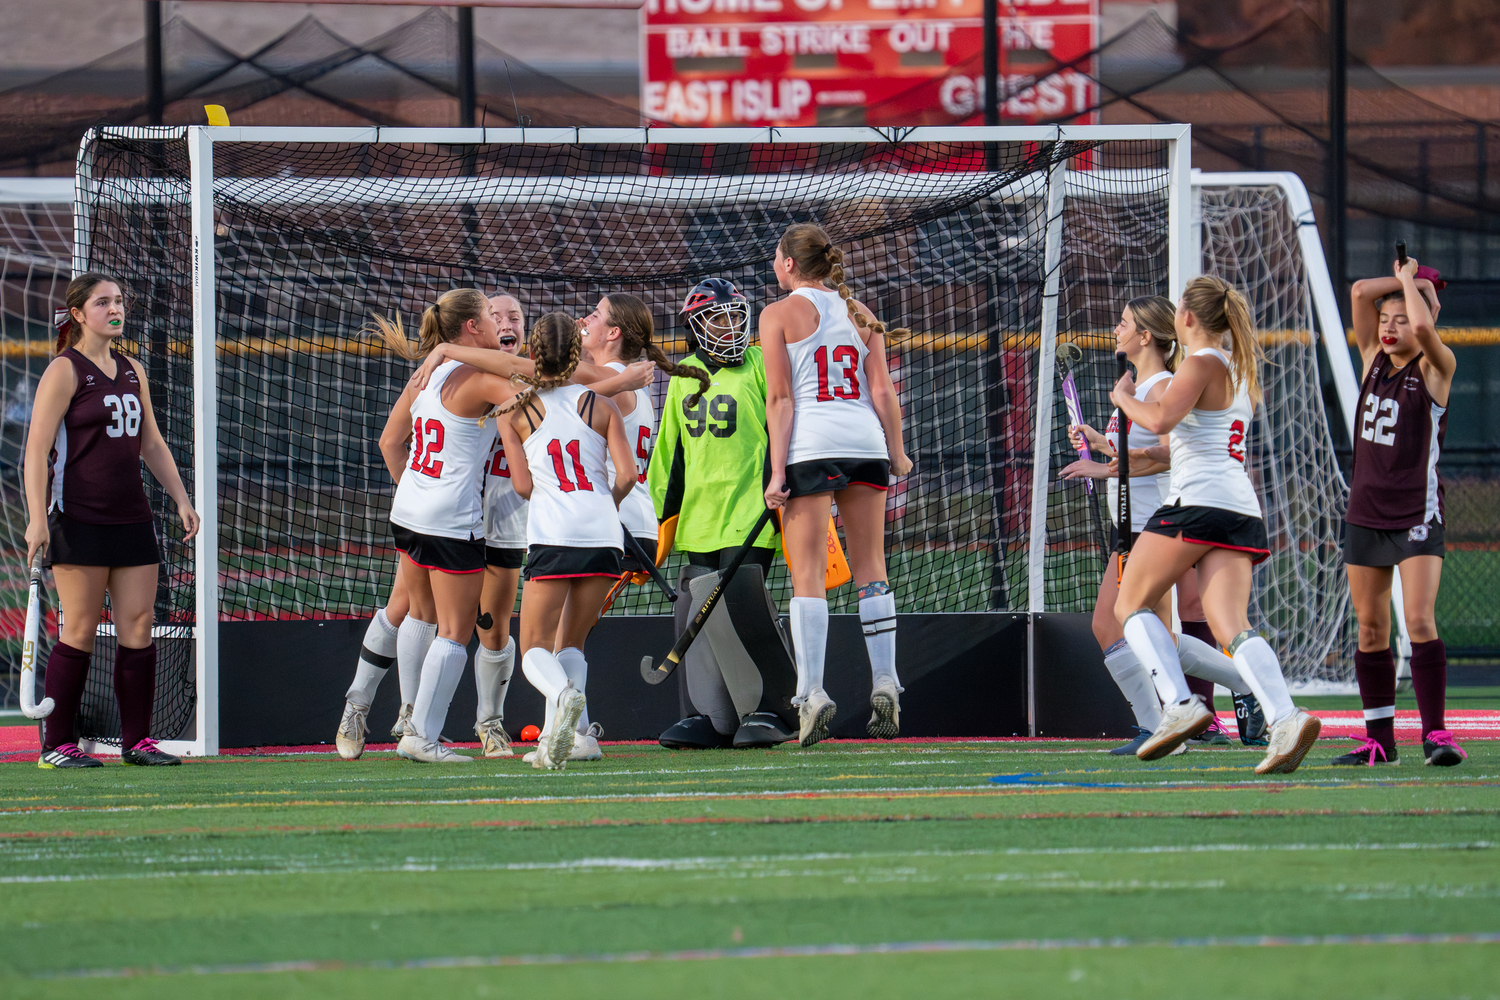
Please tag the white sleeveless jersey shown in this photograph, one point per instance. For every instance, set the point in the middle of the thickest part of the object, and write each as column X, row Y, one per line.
column 1145, row 491
column 832, row 414
column 1208, row 455
column 571, row 504
column 504, row 509
column 637, row 511
column 440, row 491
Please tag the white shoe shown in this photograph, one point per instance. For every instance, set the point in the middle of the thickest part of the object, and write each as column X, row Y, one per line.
column 403, row 721
column 530, row 757
column 570, row 705
column 815, row 713
column 885, row 710
column 495, row 740
column 586, row 744
column 1178, row 722
column 414, row 747
column 1291, row 738
column 350, row 738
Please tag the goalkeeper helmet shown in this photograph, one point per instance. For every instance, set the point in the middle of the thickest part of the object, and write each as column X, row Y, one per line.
column 719, row 317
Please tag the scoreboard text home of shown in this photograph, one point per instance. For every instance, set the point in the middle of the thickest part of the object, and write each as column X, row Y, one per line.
column 863, row 62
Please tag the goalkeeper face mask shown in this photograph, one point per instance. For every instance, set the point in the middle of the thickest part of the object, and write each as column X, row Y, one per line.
column 720, row 318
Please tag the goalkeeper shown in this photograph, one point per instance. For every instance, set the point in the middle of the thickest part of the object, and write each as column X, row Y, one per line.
column 706, row 478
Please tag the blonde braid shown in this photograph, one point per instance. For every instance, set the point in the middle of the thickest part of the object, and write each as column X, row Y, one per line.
column 836, row 275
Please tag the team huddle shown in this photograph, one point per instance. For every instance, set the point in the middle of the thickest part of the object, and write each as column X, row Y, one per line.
column 550, row 465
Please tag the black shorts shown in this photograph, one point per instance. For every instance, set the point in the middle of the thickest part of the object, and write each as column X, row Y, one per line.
column 74, row 543
column 563, row 562
column 630, row 564
column 446, row 555
column 1379, row 547
column 720, row 559
column 823, row 475
column 1223, row 529
column 504, row 558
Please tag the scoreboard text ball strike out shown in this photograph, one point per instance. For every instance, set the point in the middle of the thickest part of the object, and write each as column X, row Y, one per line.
column 991, row 243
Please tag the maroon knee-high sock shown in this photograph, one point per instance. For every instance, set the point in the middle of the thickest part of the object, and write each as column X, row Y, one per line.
column 67, row 669
column 1429, row 681
column 1197, row 685
column 1376, row 673
column 135, row 687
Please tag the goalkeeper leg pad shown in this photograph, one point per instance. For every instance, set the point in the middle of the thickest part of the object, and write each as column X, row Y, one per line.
column 696, row 732
column 700, row 667
column 753, row 653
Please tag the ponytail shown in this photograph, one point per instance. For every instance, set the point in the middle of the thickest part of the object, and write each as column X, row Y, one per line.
column 442, row 322
column 633, row 318
column 817, row 258
column 1221, row 309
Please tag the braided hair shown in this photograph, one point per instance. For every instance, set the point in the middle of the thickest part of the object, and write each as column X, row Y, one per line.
column 555, row 346
column 817, row 258
column 633, row 318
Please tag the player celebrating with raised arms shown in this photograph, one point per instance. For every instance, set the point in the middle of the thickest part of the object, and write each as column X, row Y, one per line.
column 1395, row 517
column 91, row 425
column 561, row 439
column 835, row 434
column 1211, row 520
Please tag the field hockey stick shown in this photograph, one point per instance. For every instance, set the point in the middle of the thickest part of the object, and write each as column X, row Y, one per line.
column 1069, row 354
column 1123, row 508
column 655, row 674
column 633, row 546
column 29, row 707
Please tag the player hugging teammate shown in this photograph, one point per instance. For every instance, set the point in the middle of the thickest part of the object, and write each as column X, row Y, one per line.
column 1395, row 514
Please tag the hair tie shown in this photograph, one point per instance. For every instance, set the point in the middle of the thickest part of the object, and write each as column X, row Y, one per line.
column 1431, row 274
column 62, row 319
column 826, row 247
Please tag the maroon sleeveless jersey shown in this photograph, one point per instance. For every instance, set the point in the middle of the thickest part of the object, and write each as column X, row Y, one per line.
column 1399, row 434
column 96, row 462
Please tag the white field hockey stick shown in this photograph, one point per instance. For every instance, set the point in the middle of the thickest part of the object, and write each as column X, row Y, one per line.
column 1069, row 354
column 29, row 707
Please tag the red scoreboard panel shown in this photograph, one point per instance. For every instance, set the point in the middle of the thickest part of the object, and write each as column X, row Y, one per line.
column 862, row 62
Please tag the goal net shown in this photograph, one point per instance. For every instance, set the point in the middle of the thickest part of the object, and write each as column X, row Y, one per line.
column 993, row 246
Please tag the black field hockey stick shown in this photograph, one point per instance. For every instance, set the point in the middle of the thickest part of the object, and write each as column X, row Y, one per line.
column 633, row 546
column 1122, row 508
column 655, row 674
column 1069, row 354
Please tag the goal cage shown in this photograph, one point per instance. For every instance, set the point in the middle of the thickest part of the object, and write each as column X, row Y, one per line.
column 254, row 258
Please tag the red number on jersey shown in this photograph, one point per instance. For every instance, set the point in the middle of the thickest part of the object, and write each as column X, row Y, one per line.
column 555, row 449
column 498, row 465
column 1237, row 441
column 423, row 450
column 642, row 452
column 847, row 356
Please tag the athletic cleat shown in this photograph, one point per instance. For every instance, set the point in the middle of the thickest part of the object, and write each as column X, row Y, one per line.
column 1369, row 754
column 1141, row 736
column 1291, row 738
column 494, row 739
column 1250, row 721
column 586, row 744
column 1178, row 723
column 1440, row 749
column 696, row 732
column 885, row 711
column 67, row 755
column 350, row 739
column 403, row 721
column 559, row 744
column 147, row 754
column 761, row 729
column 1214, row 736
column 414, row 747
column 815, row 713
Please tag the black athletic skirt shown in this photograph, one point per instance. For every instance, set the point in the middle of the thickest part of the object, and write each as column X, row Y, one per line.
column 630, row 564
column 446, row 555
column 1223, row 529
column 74, row 543
column 563, row 562
column 1378, row 547
column 504, row 558
column 824, row 475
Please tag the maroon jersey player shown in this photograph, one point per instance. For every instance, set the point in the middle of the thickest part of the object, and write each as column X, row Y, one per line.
column 90, row 428
column 1395, row 517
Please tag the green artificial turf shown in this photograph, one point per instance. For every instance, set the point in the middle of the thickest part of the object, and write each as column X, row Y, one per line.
column 304, row 876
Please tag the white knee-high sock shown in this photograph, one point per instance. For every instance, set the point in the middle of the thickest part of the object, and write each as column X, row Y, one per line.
column 492, row 672
column 1135, row 684
column 547, row 676
column 441, row 670
column 877, row 617
column 1152, row 644
column 577, row 669
column 375, row 658
column 810, row 637
column 1261, row 670
column 1199, row 659
column 412, row 642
